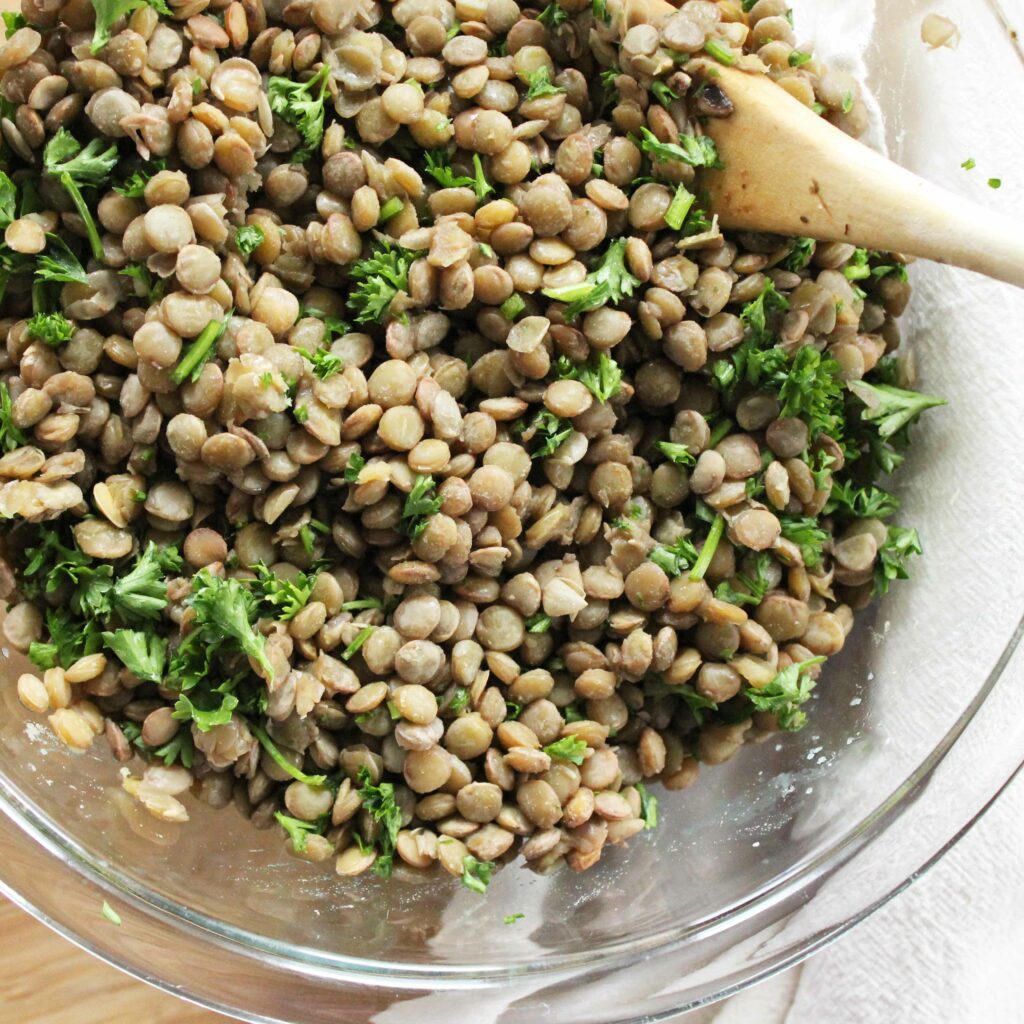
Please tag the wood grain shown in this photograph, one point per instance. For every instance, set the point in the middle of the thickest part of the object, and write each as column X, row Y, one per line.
column 46, row 980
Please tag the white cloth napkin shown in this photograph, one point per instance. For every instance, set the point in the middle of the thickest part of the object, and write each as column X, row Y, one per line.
column 946, row 951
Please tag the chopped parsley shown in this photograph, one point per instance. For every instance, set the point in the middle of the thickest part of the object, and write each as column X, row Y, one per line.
column 608, row 284
column 361, row 637
column 539, row 83
column 648, row 806
column 889, row 408
column 476, row 874
column 110, row 11
column 539, row 623
column 379, row 803
column 677, row 453
column 568, row 748
column 301, row 104
column 783, row 696
column 695, row 150
column 900, row 544
column 248, row 238
column 52, row 328
column 200, row 352
column 380, row 277
column 279, row 597
column 678, row 209
column 75, row 167
column 420, row 504
column 299, row 831
column 354, row 467
column 325, row 363
column 603, row 378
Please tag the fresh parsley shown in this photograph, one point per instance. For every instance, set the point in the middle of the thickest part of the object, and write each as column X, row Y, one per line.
column 110, row 11
column 694, row 150
column 900, row 543
column 476, row 874
column 379, row 803
column 602, row 378
column 380, row 277
column 420, row 504
column 606, row 285
column 568, row 748
column 889, row 408
column 248, row 238
column 301, row 104
column 201, row 351
column 76, row 168
column 784, row 695
column 648, row 806
column 52, row 328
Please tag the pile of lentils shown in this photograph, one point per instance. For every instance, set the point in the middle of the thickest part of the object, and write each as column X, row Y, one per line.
column 394, row 445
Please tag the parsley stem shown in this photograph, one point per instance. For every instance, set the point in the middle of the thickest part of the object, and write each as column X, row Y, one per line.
column 708, row 551
column 719, row 432
column 199, row 351
column 282, row 762
column 95, row 242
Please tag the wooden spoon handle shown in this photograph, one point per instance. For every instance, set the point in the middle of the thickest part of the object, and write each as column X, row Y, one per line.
column 786, row 181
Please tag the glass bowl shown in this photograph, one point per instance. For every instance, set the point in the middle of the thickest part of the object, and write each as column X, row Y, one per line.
column 913, row 731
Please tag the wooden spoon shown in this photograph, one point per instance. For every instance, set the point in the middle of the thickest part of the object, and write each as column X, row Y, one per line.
column 789, row 172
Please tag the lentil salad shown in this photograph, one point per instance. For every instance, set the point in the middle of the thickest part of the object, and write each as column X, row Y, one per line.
column 395, row 447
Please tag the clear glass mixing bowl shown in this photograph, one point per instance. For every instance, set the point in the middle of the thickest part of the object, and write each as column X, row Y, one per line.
column 912, row 733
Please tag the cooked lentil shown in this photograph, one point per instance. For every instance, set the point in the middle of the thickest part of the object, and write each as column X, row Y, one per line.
column 503, row 480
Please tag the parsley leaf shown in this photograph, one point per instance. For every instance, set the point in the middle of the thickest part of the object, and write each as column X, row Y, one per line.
column 648, row 806
column 143, row 653
column 52, row 328
column 379, row 803
column 301, row 104
column 110, row 11
column 568, row 748
column 870, row 502
column 476, row 874
column 755, row 313
column 10, row 436
column 539, row 83
column 354, row 467
column 890, row 408
column 756, row 583
column 420, row 505
column 675, row 559
column 694, row 150
column 279, row 597
column 608, row 284
column 783, row 696
column 299, row 831
column 60, row 264
column 140, row 272
column 66, row 160
column 142, row 592
column 248, row 238
column 538, row 623
column 552, row 430
column 552, row 16
column 900, row 543
column 677, row 453
column 438, row 167
column 325, row 363
column 223, row 608
column 603, row 379
column 380, row 276
column 805, row 532
column 800, row 254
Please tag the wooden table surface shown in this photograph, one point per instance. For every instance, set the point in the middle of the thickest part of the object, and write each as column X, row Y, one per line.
column 46, row 980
